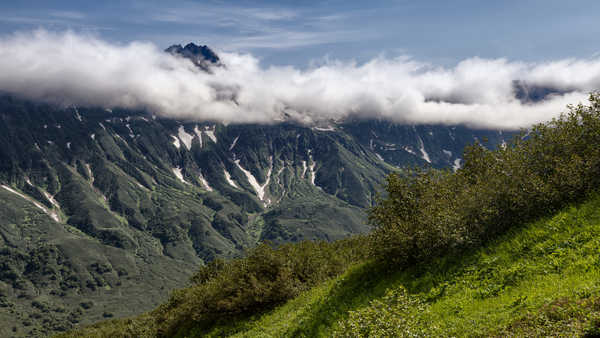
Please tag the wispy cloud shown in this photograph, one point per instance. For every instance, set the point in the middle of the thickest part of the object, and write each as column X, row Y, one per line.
column 269, row 14
column 194, row 13
column 53, row 19
column 231, row 26
column 288, row 39
column 244, row 28
column 69, row 15
column 29, row 20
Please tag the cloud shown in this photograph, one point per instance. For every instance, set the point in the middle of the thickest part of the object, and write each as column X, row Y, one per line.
column 284, row 39
column 70, row 68
column 71, row 15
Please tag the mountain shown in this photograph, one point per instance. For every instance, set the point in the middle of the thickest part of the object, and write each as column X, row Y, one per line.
column 202, row 56
column 98, row 205
column 103, row 212
column 506, row 246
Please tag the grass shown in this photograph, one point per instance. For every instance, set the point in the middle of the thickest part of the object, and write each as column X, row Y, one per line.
column 540, row 279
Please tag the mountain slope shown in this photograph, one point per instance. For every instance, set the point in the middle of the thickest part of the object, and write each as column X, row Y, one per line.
column 489, row 250
column 175, row 194
column 54, row 273
column 540, row 279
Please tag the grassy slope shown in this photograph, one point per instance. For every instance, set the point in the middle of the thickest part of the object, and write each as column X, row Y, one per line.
column 540, row 279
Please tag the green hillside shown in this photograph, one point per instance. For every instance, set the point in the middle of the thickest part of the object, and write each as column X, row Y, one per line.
column 506, row 246
column 540, row 279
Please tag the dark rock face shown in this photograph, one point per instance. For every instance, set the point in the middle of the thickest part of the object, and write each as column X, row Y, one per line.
column 202, row 56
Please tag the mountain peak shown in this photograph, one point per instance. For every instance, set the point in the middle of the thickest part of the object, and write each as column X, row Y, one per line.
column 201, row 55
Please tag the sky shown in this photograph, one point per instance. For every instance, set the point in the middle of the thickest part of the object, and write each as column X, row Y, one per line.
column 434, row 62
column 300, row 32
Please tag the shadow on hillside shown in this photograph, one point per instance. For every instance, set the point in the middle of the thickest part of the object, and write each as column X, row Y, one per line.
column 355, row 289
column 369, row 281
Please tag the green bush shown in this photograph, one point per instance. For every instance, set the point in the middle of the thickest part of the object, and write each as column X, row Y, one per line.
column 427, row 213
column 264, row 278
column 391, row 316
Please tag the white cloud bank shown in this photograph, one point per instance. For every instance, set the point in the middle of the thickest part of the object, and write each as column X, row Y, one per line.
column 70, row 68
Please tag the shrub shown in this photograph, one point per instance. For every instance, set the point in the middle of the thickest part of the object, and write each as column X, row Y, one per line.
column 428, row 213
column 391, row 316
column 265, row 277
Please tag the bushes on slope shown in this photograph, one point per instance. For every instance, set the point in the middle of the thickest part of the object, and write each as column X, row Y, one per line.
column 266, row 277
column 431, row 213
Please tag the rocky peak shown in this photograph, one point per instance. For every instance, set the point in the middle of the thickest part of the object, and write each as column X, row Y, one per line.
column 202, row 56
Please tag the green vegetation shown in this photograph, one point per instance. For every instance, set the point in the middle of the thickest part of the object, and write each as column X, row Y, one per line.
column 453, row 254
column 537, row 280
column 433, row 213
column 225, row 291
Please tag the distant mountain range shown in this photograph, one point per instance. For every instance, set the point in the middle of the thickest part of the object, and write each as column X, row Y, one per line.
column 103, row 212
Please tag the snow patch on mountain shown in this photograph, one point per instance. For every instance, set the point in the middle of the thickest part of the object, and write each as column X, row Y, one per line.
column 210, row 132
column 120, row 138
column 228, row 179
column 304, row 167
column 424, row 154
column 185, row 137
column 260, row 189
column 198, row 133
column 328, row 128
column 234, row 143
column 50, row 213
column 89, row 172
column 313, row 164
column 279, row 173
column 77, row 115
column 176, row 142
column 205, row 183
column 50, row 198
column 177, row 172
column 131, row 134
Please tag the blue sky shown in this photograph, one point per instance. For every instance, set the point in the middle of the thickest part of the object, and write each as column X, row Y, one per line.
column 298, row 32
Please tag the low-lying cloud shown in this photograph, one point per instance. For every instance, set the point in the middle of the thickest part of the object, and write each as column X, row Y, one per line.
column 74, row 69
